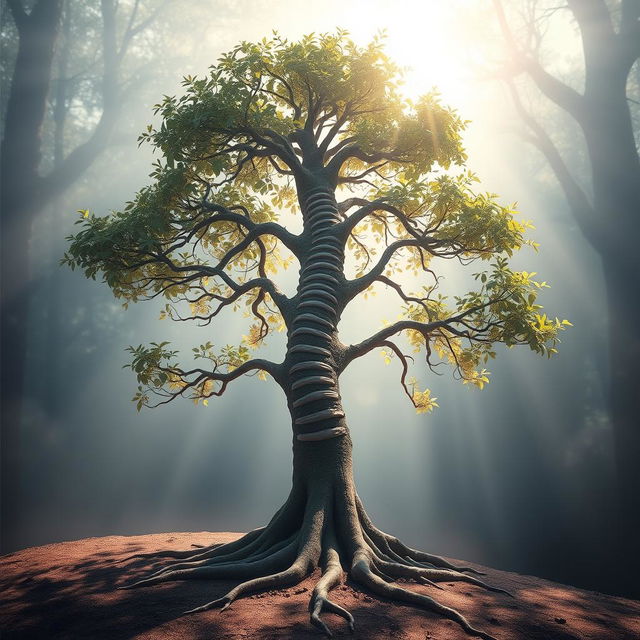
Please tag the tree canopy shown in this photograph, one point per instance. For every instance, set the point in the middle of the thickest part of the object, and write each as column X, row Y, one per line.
column 243, row 147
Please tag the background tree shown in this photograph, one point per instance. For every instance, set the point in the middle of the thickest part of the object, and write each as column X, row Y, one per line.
column 34, row 174
column 281, row 125
column 19, row 160
column 607, row 211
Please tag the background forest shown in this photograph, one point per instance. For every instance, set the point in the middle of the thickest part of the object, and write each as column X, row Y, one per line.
column 520, row 476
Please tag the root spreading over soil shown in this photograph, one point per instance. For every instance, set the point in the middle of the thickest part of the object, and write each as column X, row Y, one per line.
column 333, row 533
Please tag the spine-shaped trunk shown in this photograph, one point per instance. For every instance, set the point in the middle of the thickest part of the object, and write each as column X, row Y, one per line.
column 312, row 389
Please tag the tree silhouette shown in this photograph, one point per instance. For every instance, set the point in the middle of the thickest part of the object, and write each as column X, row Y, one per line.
column 27, row 185
column 607, row 213
column 288, row 125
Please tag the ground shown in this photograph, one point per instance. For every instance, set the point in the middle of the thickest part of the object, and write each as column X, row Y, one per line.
column 68, row 590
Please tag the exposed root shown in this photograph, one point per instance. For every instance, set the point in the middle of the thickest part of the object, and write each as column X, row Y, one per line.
column 362, row 573
column 170, row 553
column 224, row 560
column 331, row 576
column 308, row 553
column 396, row 548
column 290, row 576
column 209, row 570
column 199, row 550
column 398, row 570
column 303, row 536
column 429, row 583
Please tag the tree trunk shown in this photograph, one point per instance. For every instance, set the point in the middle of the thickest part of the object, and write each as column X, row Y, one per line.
column 322, row 523
column 609, row 220
column 19, row 203
column 624, row 397
column 616, row 192
column 310, row 362
column 322, row 463
column 615, row 169
column 16, row 289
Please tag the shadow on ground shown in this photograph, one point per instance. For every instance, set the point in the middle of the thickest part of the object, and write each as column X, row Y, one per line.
column 69, row 590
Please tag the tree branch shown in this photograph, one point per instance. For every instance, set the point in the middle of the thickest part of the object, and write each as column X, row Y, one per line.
column 288, row 239
column 558, row 92
column 344, row 228
column 202, row 376
column 577, row 198
column 353, row 352
column 196, row 271
column 297, row 110
column 77, row 161
column 353, row 151
column 265, row 285
column 358, row 285
column 379, row 339
column 134, row 29
column 405, row 367
column 286, row 152
column 335, row 129
column 257, row 364
column 400, row 291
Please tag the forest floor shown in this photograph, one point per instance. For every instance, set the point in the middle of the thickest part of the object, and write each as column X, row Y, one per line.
column 68, row 590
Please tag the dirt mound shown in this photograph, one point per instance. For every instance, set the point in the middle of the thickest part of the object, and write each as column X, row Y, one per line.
column 68, row 590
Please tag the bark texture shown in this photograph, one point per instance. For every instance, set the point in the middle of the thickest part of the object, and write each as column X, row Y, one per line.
column 312, row 385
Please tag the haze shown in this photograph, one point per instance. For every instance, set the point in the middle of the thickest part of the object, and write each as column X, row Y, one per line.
column 514, row 476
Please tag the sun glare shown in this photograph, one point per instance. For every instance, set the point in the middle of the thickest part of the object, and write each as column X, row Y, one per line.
column 421, row 38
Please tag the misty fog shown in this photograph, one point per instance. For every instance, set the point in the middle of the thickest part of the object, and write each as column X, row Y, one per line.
column 519, row 476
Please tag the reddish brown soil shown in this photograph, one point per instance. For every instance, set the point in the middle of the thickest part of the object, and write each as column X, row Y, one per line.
column 68, row 590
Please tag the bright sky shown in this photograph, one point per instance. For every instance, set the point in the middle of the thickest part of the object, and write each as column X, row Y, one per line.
column 424, row 36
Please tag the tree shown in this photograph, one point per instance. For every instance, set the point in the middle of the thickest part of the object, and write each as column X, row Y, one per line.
column 19, row 160
column 26, row 186
column 285, row 125
column 607, row 217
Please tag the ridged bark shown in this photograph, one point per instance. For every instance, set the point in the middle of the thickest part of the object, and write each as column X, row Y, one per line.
column 311, row 368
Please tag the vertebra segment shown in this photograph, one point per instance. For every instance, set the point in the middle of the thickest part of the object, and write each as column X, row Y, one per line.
column 314, row 395
column 310, row 331
column 311, row 380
